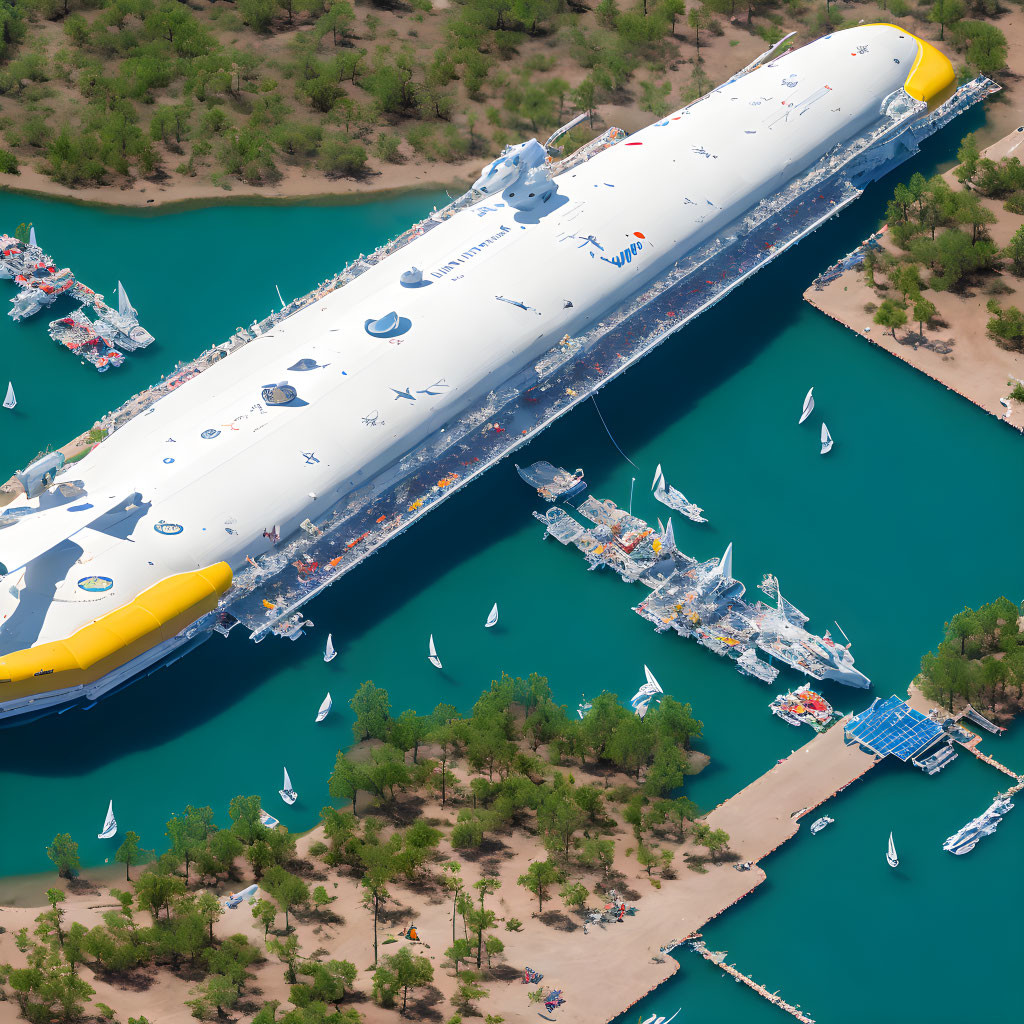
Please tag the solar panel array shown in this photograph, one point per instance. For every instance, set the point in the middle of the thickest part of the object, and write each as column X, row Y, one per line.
column 891, row 726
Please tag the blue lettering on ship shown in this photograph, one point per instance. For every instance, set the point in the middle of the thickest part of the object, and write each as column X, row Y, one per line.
column 469, row 253
column 626, row 256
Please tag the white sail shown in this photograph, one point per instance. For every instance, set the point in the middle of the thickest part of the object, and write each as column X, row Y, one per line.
column 432, row 656
column 826, row 440
column 808, row 406
column 124, row 306
column 651, row 681
column 10, row 401
column 492, row 618
column 329, row 652
column 668, row 540
column 659, row 480
column 109, row 824
column 890, row 855
column 288, row 794
column 725, row 563
column 325, row 709
column 32, row 237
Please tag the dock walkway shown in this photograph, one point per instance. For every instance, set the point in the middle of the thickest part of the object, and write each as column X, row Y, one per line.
column 718, row 959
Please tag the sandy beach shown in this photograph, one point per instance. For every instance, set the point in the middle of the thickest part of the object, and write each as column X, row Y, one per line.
column 957, row 351
column 759, row 818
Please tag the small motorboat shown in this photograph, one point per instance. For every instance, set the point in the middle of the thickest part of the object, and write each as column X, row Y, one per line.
column 109, row 824
column 826, row 440
column 432, row 653
column 329, row 652
column 268, row 820
column 288, row 794
column 492, row 618
column 325, row 709
column 821, row 823
column 808, row 406
column 890, row 854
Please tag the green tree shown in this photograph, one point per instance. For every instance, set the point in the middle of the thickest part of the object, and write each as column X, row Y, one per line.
column 257, row 14
column 55, row 897
column 945, row 13
column 1014, row 252
column 890, row 315
column 401, row 971
column 63, row 851
column 288, row 890
column 924, row 310
column 189, row 832
column 575, row 894
column 459, row 951
column 130, row 852
column 372, row 708
column 266, row 913
column 699, row 19
column 246, row 825
column 210, row 908
column 539, row 877
column 967, row 157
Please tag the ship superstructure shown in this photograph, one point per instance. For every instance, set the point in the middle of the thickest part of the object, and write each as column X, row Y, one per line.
column 370, row 404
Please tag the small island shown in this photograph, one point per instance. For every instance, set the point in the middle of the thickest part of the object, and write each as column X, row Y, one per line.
column 466, row 849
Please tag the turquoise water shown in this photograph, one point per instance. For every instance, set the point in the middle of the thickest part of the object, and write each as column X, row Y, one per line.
column 913, row 514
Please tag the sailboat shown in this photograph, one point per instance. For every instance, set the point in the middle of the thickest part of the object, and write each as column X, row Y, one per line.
column 674, row 498
column 10, row 401
column 329, row 652
column 288, row 795
column 109, row 824
column 808, row 406
column 890, row 854
column 325, row 709
column 649, row 675
column 434, row 659
column 492, row 618
column 826, row 440
column 32, row 238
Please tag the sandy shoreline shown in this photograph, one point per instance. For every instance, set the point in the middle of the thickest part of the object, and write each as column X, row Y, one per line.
column 298, row 185
column 957, row 352
column 758, row 818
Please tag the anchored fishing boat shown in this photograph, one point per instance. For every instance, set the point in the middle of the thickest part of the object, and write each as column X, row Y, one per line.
column 821, row 823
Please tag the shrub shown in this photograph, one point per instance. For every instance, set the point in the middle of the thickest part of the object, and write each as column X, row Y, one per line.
column 8, row 162
column 385, row 148
column 340, row 157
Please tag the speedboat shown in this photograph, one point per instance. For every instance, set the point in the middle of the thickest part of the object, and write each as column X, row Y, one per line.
column 821, row 823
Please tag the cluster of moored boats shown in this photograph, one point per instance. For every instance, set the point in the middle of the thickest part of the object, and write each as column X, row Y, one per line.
column 101, row 341
column 701, row 600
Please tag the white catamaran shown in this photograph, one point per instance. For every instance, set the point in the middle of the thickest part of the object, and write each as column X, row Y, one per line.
column 109, row 824
column 668, row 495
column 808, row 406
column 492, row 618
column 329, row 652
column 826, row 440
column 432, row 655
column 10, row 401
column 288, row 794
column 890, row 854
column 325, row 709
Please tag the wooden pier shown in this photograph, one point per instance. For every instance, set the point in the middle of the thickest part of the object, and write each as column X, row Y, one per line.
column 718, row 959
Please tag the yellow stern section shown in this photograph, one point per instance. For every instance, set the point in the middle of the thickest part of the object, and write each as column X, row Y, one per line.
column 110, row 641
column 932, row 78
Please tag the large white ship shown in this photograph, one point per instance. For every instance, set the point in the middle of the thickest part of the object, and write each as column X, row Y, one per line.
column 246, row 490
